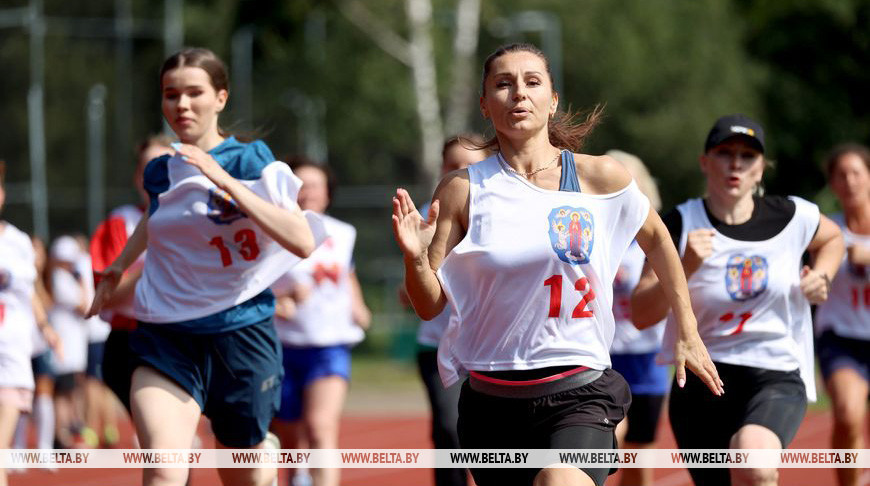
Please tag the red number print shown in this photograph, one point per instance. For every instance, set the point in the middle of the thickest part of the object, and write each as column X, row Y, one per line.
column 730, row 316
column 226, row 258
column 856, row 296
column 248, row 247
column 248, row 241
column 555, row 283
column 581, row 285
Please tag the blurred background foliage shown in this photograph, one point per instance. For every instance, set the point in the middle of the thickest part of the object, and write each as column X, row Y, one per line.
column 319, row 84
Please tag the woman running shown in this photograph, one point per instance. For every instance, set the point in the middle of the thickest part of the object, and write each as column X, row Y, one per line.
column 221, row 220
column 41, row 362
column 742, row 253
column 843, row 321
column 633, row 351
column 320, row 315
column 525, row 245
column 19, row 312
column 70, row 297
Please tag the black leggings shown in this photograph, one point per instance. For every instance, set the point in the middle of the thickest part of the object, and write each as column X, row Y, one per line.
column 445, row 412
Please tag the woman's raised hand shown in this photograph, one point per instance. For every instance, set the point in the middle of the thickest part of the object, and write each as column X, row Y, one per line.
column 202, row 160
column 413, row 233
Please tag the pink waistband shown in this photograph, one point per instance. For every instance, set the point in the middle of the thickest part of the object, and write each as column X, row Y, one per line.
column 546, row 379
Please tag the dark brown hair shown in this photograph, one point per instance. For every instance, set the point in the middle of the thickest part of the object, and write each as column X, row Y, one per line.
column 208, row 61
column 296, row 162
column 2, row 172
column 201, row 58
column 565, row 128
column 844, row 149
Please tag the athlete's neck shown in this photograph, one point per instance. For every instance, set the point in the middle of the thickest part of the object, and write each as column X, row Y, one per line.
column 737, row 211
column 208, row 141
column 858, row 218
column 527, row 155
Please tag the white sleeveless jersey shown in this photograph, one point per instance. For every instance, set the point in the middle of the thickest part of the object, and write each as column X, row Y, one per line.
column 324, row 318
column 531, row 282
column 847, row 310
column 628, row 339
column 17, row 277
column 747, row 298
column 204, row 254
column 430, row 332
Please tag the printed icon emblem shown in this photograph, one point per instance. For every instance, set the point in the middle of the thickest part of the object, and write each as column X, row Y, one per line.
column 572, row 233
column 745, row 276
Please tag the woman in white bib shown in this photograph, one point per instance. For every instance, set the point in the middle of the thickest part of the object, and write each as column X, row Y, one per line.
column 525, row 245
column 751, row 295
column 320, row 315
column 633, row 351
column 20, row 311
column 222, row 225
column 843, row 321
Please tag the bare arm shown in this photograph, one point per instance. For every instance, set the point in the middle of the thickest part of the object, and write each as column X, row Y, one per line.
column 111, row 276
column 48, row 332
column 827, row 249
column 649, row 304
column 424, row 244
column 362, row 316
column 689, row 350
column 287, row 227
column 125, row 290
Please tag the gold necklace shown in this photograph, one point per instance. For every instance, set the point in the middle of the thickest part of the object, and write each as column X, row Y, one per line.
column 530, row 173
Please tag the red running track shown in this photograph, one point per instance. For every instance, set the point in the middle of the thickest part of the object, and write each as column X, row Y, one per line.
column 412, row 432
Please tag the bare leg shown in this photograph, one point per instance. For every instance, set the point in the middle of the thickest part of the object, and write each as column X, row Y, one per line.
column 849, row 392
column 246, row 476
column 290, row 435
column 8, row 421
column 166, row 418
column 754, row 437
column 562, row 476
column 321, row 413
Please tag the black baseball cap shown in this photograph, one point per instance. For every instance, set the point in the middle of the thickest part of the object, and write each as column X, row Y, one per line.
column 736, row 125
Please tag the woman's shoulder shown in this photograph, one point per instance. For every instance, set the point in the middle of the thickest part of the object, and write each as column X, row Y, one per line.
column 156, row 174
column 259, row 149
column 244, row 159
column 601, row 174
column 454, row 184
